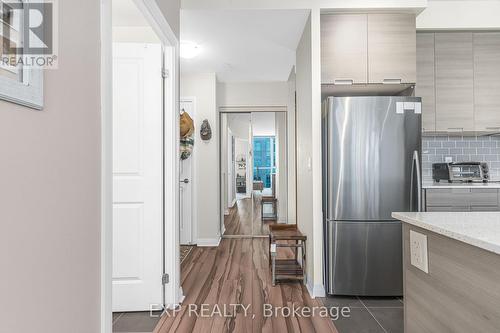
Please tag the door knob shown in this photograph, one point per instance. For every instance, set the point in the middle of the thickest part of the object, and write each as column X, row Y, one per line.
column 185, row 181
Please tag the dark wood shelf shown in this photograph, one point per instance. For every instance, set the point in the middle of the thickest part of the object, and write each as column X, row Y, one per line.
column 288, row 269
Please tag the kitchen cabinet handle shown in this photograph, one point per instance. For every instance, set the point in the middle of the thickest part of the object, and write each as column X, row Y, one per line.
column 392, row 81
column 343, row 82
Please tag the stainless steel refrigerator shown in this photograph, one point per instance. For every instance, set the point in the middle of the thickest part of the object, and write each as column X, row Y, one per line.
column 371, row 168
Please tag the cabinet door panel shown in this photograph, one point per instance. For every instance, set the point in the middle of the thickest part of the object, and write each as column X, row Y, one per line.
column 454, row 82
column 344, row 53
column 447, row 197
column 484, row 197
column 391, row 48
column 425, row 86
column 487, row 81
column 448, row 209
column 485, row 209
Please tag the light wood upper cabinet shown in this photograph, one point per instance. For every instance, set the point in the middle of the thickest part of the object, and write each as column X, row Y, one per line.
column 487, row 81
column 425, row 86
column 344, row 50
column 368, row 48
column 391, row 48
column 454, row 82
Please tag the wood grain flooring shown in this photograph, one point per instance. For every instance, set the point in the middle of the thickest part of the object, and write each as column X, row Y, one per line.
column 244, row 218
column 237, row 272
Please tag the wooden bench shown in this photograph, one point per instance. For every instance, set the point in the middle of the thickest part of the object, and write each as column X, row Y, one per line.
column 287, row 236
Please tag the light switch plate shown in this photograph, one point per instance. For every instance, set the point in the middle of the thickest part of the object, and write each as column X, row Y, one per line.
column 418, row 251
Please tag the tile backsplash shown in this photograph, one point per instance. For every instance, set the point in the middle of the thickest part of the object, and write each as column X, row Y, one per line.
column 461, row 149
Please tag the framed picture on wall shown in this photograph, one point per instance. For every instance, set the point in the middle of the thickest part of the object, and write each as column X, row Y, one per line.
column 19, row 83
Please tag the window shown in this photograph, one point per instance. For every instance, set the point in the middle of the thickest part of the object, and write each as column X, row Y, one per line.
column 264, row 159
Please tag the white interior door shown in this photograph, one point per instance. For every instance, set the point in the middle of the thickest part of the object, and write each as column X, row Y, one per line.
column 137, row 176
column 186, row 185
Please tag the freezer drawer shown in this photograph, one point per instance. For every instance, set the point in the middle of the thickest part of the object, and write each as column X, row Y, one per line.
column 365, row 258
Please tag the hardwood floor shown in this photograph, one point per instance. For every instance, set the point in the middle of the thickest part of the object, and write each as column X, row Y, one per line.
column 237, row 272
column 244, row 218
column 259, row 228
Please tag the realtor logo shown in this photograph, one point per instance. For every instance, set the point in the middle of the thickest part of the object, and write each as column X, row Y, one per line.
column 28, row 32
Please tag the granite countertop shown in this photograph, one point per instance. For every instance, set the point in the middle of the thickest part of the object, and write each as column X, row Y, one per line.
column 445, row 184
column 479, row 229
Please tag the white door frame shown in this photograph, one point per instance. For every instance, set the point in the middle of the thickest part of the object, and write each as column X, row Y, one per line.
column 194, row 202
column 172, row 291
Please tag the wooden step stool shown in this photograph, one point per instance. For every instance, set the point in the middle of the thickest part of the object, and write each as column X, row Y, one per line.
column 290, row 237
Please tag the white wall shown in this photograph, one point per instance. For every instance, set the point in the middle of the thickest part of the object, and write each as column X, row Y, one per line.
column 304, row 143
column 309, row 210
column 281, row 166
column 252, row 94
column 317, row 284
column 50, row 190
column 292, row 209
column 460, row 15
column 239, row 123
column 207, row 212
column 135, row 35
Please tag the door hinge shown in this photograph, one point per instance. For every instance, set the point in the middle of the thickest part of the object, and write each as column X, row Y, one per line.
column 165, row 279
column 164, row 73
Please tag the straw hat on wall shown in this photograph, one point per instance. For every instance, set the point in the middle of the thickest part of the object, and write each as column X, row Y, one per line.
column 187, row 124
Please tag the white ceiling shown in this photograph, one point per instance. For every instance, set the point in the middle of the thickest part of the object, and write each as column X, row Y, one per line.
column 243, row 45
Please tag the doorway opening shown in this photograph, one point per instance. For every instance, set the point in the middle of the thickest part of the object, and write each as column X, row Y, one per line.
column 254, row 172
column 187, row 176
column 140, row 131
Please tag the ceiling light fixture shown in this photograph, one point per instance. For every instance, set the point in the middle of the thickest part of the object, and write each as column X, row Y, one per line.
column 189, row 50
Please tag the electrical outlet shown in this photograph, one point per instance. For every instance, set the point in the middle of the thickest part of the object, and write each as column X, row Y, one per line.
column 418, row 251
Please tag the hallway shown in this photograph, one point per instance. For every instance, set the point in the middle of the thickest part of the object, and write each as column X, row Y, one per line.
column 244, row 218
column 237, row 272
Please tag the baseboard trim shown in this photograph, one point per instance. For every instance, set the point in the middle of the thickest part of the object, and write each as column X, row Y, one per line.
column 317, row 290
column 208, row 242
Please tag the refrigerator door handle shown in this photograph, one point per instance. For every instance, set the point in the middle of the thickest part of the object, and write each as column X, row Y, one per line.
column 415, row 167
